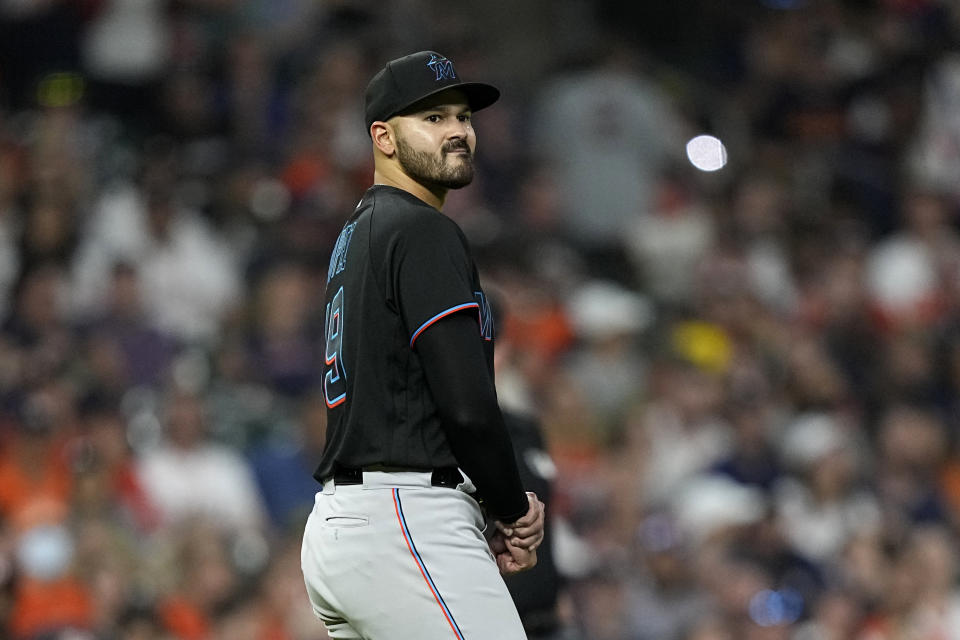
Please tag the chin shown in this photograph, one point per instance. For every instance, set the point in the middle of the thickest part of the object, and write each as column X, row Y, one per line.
column 458, row 183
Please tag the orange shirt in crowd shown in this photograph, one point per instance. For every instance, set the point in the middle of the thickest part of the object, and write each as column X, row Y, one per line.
column 35, row 482
column 183, row 619
column 45, row 605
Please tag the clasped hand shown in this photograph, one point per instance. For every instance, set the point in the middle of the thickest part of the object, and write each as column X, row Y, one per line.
column 514, row 545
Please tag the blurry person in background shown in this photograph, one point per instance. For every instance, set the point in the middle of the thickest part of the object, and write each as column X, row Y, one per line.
column 934, row 155
column 243, row 411
column 276, row 606
column 759, row 208
column 104, row 367
column 188, row 474
column 251, row 96
column 122, row 322
column 285, row 337
column 835, row 616
column 188, row 105
column 668, row 240
column 753, row 459
column 837, row 302
column 60, row 161
column 726, row 298
column 911, row 273
column 663, row 595
column 38, row 327
column 601, row 605
column 36, row 482
column 107, row 485
column 238, row 618
column 125, row 49
column 187, row 273
column 106, row 562
column 921, row 599
column 329, row 159
column 864, row 570
column 49, row 233
column 911, row 454
column 682, row 422
column 607, row 364
column 48, row 597
column 283, row 466
column 197, row 576
column 139, row 622
column 537, row 591
column 814, row 379
column 933, row 552
column 35, row 471
column 188, row 276
column 822, row 503
column 908, row 370
column 735, row 587
column 797, row 581
column 619, row 132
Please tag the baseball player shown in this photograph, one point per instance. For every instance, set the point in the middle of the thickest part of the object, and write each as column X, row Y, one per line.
column 417, row 458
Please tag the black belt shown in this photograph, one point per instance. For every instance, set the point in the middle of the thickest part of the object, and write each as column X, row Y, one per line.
column 448, row 477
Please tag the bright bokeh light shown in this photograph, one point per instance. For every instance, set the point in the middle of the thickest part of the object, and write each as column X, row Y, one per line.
column 706, row 153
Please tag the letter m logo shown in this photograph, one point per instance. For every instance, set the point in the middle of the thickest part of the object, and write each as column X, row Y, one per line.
column 442, row 67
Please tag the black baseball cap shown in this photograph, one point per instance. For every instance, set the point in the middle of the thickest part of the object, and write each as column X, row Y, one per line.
column 408, row 80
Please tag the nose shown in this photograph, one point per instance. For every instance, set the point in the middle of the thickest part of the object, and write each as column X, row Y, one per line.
column 458, row 129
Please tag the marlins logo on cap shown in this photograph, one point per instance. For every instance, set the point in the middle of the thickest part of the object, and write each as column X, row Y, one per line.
column 442, row 67
column 405, row 81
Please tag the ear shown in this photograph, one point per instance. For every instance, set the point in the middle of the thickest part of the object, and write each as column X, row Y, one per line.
column 382, row 134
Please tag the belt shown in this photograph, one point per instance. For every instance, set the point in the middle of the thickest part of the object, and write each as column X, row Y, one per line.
column 448, row 477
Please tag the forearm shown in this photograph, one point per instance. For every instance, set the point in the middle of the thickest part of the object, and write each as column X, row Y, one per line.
column 453, row 361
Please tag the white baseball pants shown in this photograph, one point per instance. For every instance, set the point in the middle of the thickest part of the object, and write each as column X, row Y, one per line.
column 396, row 558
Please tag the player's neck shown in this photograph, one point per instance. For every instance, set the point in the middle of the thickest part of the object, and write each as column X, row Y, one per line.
column 394, row 177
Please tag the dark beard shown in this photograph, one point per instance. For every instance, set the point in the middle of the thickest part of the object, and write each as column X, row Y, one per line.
column 432, row 172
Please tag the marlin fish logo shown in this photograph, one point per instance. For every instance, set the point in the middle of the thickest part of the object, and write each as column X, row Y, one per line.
column 442, row 67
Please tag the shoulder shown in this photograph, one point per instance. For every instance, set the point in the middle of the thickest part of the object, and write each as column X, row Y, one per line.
column 400, row 215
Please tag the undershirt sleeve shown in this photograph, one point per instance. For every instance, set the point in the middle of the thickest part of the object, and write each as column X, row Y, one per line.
column 452, row 354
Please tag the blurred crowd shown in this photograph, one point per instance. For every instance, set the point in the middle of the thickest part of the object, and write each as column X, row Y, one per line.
column 747, row 380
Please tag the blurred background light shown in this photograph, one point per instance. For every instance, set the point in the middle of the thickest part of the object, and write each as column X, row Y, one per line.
column 706, row 153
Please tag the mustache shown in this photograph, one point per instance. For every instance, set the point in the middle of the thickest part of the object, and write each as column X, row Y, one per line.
column 456, row 145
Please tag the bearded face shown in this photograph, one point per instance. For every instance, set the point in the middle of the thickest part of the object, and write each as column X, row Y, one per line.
column 451, row 167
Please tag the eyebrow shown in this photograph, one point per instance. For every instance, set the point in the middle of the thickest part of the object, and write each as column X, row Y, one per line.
column 459, row 108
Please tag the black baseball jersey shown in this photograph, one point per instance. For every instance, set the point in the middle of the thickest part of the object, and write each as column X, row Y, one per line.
column 398, row 266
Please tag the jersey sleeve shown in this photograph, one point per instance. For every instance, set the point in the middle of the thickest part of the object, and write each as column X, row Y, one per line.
column 432, row 274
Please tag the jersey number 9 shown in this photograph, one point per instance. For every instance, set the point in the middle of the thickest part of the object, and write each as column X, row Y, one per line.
column 334, row 378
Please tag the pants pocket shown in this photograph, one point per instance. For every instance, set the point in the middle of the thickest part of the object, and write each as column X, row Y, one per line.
column 344, row 520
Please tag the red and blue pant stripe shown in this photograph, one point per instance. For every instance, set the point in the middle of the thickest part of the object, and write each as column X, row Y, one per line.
column 423, row 567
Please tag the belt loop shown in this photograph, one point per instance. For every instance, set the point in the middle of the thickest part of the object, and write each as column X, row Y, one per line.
column 466, row 484
column 329, row 487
